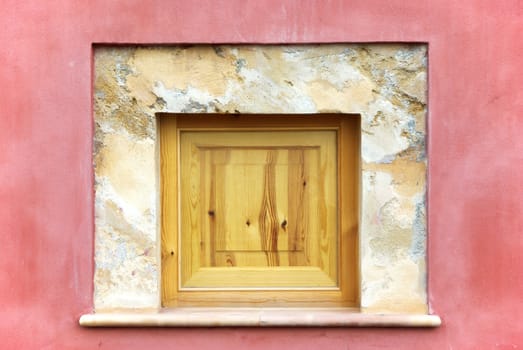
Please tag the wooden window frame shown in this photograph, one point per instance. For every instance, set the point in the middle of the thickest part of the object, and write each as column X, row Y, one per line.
column 348, row 143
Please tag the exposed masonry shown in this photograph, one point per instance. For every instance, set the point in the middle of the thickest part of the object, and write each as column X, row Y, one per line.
column 384, row 83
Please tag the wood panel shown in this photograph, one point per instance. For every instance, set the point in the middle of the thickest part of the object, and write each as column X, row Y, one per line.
column 266, row 203
column 246, row 176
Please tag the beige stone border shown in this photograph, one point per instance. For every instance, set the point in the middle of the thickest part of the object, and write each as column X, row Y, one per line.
column 384, row 83
column 227, row 317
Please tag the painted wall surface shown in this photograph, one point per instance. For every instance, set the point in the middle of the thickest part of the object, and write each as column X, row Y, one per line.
column 475, row 152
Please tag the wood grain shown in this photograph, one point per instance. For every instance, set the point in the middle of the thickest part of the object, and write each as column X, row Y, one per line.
column 248, row 179
column 268, row 219
column 265, row 202
column 169, row 205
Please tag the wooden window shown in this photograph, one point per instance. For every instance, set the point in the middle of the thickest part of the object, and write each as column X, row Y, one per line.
column 259, row 210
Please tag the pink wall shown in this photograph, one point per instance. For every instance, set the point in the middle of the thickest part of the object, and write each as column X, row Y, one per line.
column 475, row 152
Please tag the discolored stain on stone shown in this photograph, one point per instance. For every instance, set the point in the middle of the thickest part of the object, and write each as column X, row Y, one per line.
column 418, row 246
column 409, row 175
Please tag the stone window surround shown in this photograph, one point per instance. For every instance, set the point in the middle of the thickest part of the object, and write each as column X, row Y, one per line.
column 384, row 83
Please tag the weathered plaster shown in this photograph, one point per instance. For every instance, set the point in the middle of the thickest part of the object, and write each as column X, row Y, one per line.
column 385, row 83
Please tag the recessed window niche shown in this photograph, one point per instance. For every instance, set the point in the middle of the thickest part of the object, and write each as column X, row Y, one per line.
column 386, row 84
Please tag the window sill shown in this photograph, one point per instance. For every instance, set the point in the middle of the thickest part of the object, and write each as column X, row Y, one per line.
column 252, row 317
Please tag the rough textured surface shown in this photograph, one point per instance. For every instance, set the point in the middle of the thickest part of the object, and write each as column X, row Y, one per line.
column 385, row 83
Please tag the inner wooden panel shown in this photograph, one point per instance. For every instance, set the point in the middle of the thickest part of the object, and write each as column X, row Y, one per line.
column 247, row 199
column 263, row 197
column 259, row 210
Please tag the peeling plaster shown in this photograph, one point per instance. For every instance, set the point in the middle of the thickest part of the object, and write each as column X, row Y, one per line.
column 385, row 83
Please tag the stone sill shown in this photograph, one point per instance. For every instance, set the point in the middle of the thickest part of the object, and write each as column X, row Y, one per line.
column 251, row 317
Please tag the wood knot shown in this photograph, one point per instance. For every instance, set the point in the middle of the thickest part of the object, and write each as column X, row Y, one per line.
column 211, row 212
column 284, row 224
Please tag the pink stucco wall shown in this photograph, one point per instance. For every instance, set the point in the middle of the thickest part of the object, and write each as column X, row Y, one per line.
column 475, row 152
